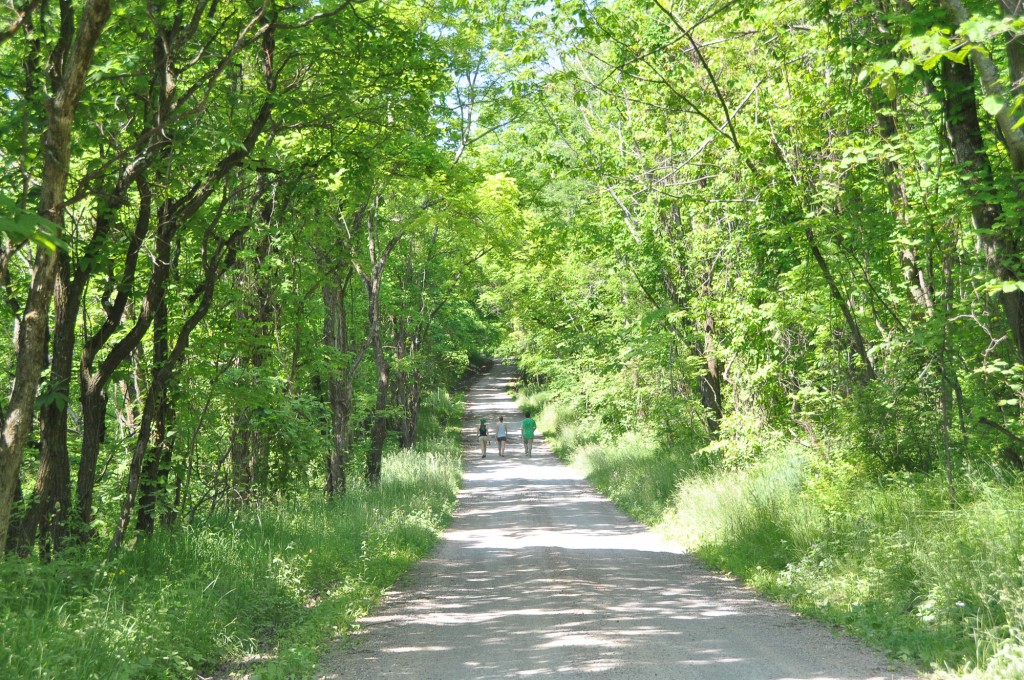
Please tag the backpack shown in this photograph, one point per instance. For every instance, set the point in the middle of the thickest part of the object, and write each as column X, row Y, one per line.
column 483, row 430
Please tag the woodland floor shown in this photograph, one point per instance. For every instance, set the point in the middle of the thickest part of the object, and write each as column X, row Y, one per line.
column 539, row 575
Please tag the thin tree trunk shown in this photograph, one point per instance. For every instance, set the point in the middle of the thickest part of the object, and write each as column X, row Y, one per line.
column 948, row 375
column 378, row 258
column 162, row 375
column 379, row 429
column 856, row 338
column 146, row 518
column 711, row 381
column 340, row 383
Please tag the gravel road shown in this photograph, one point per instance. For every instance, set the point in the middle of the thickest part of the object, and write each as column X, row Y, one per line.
column 538, row 575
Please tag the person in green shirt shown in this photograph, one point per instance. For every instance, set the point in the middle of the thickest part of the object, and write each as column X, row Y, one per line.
column 529, row 426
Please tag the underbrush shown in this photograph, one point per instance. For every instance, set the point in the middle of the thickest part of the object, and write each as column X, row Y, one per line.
column 883, row 557
column 259, row 589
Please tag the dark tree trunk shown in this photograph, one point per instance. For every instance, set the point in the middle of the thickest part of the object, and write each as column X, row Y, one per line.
column 378, row 257
column 142, row 446
column 93, row 380
column 163, row 373
column 73, row 53
column 340, row 384
column 1000, row 247
column 856, row 338
column 93, row 400
column 711, row 381
column 411, row 417
column 150, row 477
column 48, row 509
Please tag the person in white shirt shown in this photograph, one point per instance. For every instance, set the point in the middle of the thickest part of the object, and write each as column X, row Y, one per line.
column 502, row 436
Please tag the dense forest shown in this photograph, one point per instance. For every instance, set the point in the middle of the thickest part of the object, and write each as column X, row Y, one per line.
column 760, row 261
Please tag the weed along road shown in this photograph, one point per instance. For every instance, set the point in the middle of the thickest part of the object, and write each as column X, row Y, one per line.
column 538, row 575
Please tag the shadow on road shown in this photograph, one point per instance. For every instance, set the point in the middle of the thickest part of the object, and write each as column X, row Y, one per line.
column 540, row 576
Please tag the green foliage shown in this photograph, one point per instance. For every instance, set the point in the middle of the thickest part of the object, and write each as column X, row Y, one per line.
column 885, row 559
column 637, row 473
column 19, row 224
column 261, row 588
column 764, row 307
column 440, row 408
column 758, row 268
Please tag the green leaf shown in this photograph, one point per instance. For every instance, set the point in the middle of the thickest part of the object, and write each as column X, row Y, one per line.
column 993, row 104
column 21, row 224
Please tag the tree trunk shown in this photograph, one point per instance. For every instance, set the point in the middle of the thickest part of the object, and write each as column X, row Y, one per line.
column 1014, row 47
column 146, row 519
column 1009, row 117
column 410, row 421
column 917, row 283
column 93, row 380
column 142, row 445
column 856, row 338
column 711, row 381
column 93, row 401
column 379, row 429
column 48, row 509
column 163, row 372
column 340, row 384
column 948, row 375
column 75, row 59
column 997, row 242
column 378, row 258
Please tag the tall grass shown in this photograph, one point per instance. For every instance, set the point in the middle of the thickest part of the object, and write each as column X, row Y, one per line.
column 261, row 587
column 884, row 558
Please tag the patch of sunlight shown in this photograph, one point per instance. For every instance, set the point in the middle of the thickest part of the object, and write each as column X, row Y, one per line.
column 500, row 539
column 709, row 662
column 402, row 650
column 580, row 639
column 453, row 618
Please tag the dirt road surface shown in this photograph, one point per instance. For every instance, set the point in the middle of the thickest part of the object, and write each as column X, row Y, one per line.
column 539, row 576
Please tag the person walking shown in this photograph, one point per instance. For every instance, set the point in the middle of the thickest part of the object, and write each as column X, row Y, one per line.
column 528, row 427
column 502, row 435
column 483, row 437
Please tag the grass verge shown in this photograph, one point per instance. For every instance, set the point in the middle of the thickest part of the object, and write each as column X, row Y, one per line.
column 884, row 558
column 260, row 591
